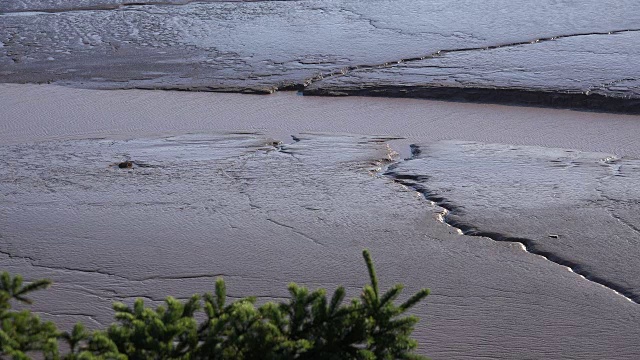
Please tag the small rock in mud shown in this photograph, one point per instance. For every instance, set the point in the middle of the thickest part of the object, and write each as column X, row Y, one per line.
column 125, row 165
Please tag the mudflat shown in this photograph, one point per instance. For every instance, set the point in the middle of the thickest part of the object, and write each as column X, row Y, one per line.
column 522, row 220
column 212, row 192
column 579, row 54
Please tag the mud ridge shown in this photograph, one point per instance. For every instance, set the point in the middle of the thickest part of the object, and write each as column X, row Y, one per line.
column 388, row 64
column 214, row 89
column 581, row 100
column 464, row 228
column 507, row 96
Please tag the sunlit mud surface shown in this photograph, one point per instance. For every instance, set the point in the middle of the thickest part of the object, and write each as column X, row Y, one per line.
column 261, row 214
column 578, row 209
column 530, row 73
column 52, row 6
column 263, row 46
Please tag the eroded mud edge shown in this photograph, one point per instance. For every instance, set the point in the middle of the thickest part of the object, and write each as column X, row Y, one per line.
column 526, row 97
column 505, row 96
column 625, row 103
column 464, row 228
column 575, row 99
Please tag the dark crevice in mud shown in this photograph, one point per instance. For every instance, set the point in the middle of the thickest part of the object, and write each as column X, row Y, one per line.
column 295, row 231
column 438, row 53
column 33, row 262
column 551, row 98
column 529, row 245
column 291, row 87
column 506, row 96
column 20, row 257
column 183, row 277
column 186, row 88
column 163, row 299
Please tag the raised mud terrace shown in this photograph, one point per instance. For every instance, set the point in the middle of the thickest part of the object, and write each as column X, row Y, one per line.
column 524, row 97
column 568, row 55
column 491, row 190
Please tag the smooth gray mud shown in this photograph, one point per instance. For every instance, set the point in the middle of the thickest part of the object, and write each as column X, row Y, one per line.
column 261, row 214
column 559, row 53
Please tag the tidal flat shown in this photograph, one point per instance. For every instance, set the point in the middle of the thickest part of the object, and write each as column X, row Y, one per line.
column 577, row 54
column 210, row 196
column 448, row 137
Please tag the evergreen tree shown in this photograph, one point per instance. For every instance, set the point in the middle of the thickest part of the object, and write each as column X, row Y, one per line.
column 309, row 326
column 22, row 332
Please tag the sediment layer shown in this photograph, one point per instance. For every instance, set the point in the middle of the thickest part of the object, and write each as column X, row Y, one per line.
column 584, row 58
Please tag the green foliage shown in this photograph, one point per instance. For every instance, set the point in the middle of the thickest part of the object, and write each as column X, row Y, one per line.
column 20, row 331
column 310, row 325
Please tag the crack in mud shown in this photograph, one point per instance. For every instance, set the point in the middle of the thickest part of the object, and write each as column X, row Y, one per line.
column 295, row 231
column 596, row 96
column 89, row 316
column 463, row 228
column 623, row 221
column 585, row 99
column 180, row 298
column 376, row 25
column 183, row 277
column 388, row 64
column 33, row 262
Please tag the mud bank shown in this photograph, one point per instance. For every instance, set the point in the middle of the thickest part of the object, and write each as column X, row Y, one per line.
column 576, row 209
column 237, row 204
column 534, row 72
column 200, row 206
column 571, row 54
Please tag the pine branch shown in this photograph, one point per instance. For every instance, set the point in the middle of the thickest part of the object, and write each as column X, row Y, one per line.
column 372, row 271
column 415, row 299
column 391, row 294
column 34, row 286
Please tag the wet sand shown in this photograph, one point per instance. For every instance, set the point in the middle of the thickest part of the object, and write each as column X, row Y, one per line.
column 219, row 203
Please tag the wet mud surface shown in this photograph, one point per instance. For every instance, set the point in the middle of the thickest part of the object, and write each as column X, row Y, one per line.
column 53, row 6
column 577, row 209
column 195, row 207
column 530, row 74
column 572, row 54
